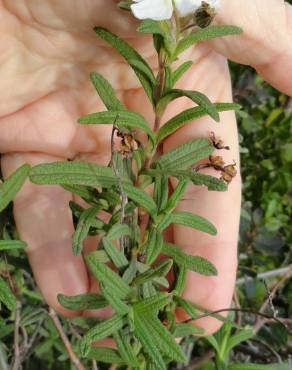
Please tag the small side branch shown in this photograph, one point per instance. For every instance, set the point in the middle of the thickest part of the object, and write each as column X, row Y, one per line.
column 74, row 359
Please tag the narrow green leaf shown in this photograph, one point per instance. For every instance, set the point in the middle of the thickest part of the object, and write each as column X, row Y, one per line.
column 163, row 221
column 161, row 191
column 180, row 71
column 152, row 304
column 160, row 280
column 197, row 97
column 10, row 187
column 181, row 279
column 6, row 296
column 114, row 301
column 194, row 263
column 86, row 219
column 130, row 272
column 108, row 277
column 184, row 156
column 190, row 220
column 139, row 66
column 154, row 245
column 76, row 173
column 236, row 339
column 106, row 92
column 139, row 157
column 126, row 350
column 85, row 192
column 82, row 302
column 161, row 30
column 117, row 231
column 165, row 340
column 259, row 367
column 168, row 83
column 145, row 335
column 129, row 54
column 161, row 270
column 212, row 183
column 118, row 258
column 150, row 365
column 101, row 331
column 204, row 34
column 141, row 198
column 152, row 27
column 176, row 196
column 9, row 245
column 148, row 290
column 184, row 330
column 100, row 256
column 213, row 342
column 125, row 4
column 105, row 355
column 130, row 120
column 188, row 116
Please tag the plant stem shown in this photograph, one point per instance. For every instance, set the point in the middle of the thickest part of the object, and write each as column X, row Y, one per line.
column 160, row 89
column 124, row 198
column 74, row 359
column 16, row 361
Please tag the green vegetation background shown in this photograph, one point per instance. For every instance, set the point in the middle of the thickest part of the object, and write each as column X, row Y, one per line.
column 265, row 124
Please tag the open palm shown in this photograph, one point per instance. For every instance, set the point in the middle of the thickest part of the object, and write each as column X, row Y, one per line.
column 47, row 50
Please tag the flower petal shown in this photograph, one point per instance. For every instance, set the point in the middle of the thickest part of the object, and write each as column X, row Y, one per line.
column 157, row 10
column 186, row 7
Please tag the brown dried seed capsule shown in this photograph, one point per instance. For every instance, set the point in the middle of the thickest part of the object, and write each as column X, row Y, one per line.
column 217, row 142
column 217, row 160
column 230, row 170
column 204, row 16
column 227, row 178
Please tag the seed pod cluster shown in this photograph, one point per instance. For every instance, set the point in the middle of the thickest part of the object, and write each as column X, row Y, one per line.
column 228, row 171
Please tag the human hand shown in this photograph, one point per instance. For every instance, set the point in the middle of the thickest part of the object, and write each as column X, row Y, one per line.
column 47, row 51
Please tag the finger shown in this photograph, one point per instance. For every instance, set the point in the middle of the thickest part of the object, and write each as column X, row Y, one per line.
column 266, row 42
column 44, row 221
column 222, row 209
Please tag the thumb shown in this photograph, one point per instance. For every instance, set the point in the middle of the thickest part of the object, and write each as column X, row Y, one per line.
column 266, row 41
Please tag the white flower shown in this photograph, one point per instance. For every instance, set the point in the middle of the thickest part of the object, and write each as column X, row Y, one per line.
column 159, row 10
